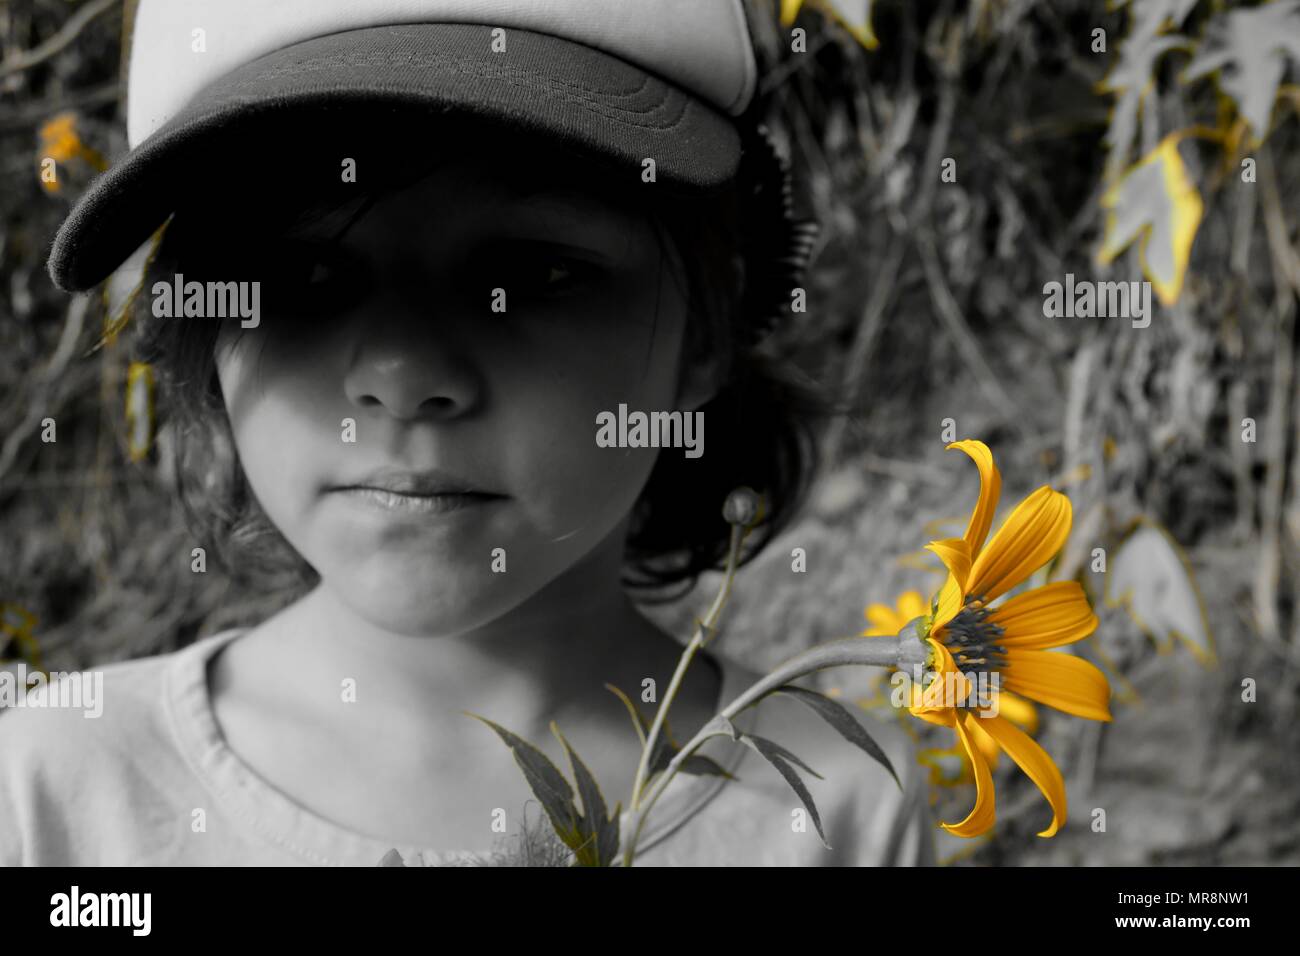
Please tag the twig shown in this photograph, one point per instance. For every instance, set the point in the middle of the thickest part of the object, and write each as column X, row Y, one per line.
column 1284, row 275
column 864, row 340
column 36, row 409
column 65, row 35
column 950, row 312
column 908, row 471
column 35, row 113
column 792, row 64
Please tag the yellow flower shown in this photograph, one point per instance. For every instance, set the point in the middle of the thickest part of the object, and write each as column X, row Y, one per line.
column 61, row 143
column 887, row 621
column 969, row 637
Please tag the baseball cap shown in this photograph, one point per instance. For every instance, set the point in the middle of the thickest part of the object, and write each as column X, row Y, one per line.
column 625, row 80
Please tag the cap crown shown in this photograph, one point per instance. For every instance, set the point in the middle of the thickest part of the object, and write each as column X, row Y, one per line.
column 702, row 46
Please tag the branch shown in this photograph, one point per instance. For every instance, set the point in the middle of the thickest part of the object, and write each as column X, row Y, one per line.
column 66, row 34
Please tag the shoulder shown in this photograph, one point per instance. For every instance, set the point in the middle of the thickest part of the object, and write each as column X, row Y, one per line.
column 79, row 742
column 59, row 712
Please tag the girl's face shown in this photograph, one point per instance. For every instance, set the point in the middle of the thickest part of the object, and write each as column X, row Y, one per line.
column 462, row 334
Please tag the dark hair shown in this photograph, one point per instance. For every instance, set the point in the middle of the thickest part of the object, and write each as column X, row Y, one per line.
column 763, row 420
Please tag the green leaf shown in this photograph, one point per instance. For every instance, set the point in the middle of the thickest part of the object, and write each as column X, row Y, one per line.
column 547, row 783
column 638, row 722
column 839, row 717
column 702, row 766
column 778, row 756
column 1155, row 202
column 599, row 833
column 666, row 747
column 1248, row 48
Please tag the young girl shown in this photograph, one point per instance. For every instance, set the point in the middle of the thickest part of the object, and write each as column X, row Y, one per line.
column 464, row 243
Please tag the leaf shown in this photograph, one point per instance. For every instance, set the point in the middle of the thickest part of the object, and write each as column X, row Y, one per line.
column 701, row 766
column 666, row 747
column 839, row 717
column 1248, row 49
column 599, row 845
column 123, row 288
column 547, row 783
column 1150, row 579
column 776, row 755
column 140, row 409
column 853, row 15
column 1149, row 17
column 638, row 722
column 1156, row 201
column 1131, row 81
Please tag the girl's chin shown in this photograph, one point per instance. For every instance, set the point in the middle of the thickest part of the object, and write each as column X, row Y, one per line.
column 431, row 605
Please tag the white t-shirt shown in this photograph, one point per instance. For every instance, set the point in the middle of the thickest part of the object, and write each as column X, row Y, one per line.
column 123, row 788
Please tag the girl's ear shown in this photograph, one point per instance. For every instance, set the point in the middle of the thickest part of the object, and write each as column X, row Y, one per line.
column 700, row 379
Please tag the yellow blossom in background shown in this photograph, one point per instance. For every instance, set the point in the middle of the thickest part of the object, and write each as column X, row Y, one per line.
column 887, row 621
column 853, row 15
column 968, row 635
column 61, row 143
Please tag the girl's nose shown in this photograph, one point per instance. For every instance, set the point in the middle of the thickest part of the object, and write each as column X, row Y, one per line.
column 411, row 377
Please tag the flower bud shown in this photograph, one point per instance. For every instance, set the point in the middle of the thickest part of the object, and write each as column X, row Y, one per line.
column 741, row 506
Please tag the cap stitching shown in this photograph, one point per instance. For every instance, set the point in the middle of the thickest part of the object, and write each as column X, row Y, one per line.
column 514, row 77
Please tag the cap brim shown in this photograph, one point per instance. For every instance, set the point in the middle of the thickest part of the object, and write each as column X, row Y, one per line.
column 572, row 94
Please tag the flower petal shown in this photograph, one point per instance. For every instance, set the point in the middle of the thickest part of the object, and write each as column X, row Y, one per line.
column 1027, row 540
column 955, row 554
column 1018, row 710
column 948, row 688
column 982, row 815
column 981, row 519
column 987, row 745
column 1059, row 680
column 1034, row 761
column 947, row 603
column 1050, row 616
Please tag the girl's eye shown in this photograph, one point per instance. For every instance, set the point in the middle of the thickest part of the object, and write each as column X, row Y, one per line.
column 534, row 270
column 314, row 279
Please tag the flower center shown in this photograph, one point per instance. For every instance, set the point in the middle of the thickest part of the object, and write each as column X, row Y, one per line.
column 972, row 639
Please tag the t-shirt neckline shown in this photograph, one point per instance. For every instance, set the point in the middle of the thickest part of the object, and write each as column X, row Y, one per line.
column 281, row 820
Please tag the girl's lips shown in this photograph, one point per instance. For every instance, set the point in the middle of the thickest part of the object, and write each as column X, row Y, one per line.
column 396, row 502
column 423, row 483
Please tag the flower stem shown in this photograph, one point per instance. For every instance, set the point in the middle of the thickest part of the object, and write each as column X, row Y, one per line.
column 904, row 650
column 704, row 630
column 698, row 639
